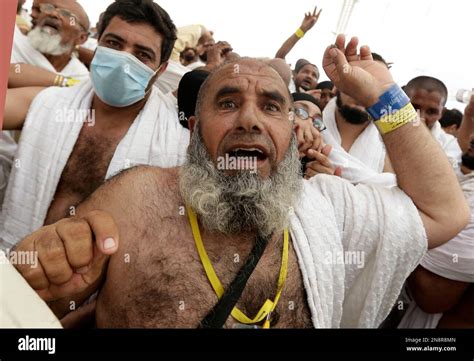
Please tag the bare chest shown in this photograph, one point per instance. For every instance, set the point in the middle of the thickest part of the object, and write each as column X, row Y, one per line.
column 84, row 172
column 149, row 285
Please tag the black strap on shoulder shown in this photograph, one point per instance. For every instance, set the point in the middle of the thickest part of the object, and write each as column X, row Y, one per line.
column 218, row 315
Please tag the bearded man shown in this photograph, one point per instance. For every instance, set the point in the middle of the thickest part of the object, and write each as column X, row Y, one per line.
column 166, row 247
column 59, row 26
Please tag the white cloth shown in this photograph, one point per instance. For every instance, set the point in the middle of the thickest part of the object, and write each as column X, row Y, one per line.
column 364, row 163
column 453, row 260
column 169, row 80
column 195, row 65
column 20, row 305
column 90, row 44
column 49, row 135
column 381, row 225
column 8, row 148
column 450, row 146
column 24, row 52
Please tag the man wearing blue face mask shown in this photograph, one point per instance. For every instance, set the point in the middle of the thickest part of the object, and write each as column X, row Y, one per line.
column 74, row 139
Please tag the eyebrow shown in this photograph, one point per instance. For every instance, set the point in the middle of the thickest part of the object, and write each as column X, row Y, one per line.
column 227, row 90
column 270, row 94
column 136, row 46
column 274, row 95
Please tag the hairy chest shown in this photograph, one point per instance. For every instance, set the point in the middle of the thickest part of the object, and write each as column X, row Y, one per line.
column 166, row 286
column 84, row 172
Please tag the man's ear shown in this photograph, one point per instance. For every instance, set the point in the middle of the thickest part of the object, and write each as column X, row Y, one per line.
column 82, row 38
column 191, row 124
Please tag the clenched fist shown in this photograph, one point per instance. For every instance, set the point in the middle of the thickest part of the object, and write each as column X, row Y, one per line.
column 72, row 254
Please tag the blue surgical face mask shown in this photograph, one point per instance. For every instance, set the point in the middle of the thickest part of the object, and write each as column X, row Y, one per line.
column 119, row 78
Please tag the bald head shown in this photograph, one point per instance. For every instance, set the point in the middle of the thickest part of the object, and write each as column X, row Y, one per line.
column 258, row 68
column 72, row 5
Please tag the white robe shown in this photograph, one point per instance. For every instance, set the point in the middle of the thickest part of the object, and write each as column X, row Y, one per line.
column 24, row 52
column 453, row 260
column 450, row 146
column 381, row 225
column 50, row 132
column 365, row 161
column 20, row 305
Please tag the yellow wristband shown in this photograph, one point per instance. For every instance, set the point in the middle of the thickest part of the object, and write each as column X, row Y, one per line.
column 392, row 121
column 299, row 33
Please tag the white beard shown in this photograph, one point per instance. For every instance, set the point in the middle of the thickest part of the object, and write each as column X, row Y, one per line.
column 47, row 41
column 242, row 202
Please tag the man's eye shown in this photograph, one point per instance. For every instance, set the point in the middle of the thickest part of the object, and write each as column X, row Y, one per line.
column 227, row 104
column 144, row 56
column 272, row 107
column 113, row 43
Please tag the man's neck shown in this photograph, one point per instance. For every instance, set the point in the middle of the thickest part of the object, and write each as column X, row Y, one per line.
column 59, row 62
column 349, row 132
column 115, row 117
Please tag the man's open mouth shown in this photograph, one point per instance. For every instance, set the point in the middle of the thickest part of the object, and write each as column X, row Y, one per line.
column 249, row 153
column 51, row 25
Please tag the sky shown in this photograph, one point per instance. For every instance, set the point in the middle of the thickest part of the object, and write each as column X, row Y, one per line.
column 421, row 37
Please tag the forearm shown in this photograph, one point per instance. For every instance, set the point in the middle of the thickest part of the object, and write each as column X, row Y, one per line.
column 433, row 293
column 16, row 106
column 26, row 75
column 425, row 175
column 287, row 47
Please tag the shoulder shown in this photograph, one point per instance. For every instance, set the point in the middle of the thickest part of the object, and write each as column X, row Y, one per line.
column 145, row 178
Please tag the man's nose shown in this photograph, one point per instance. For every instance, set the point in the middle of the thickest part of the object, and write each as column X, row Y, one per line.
column 248, row 119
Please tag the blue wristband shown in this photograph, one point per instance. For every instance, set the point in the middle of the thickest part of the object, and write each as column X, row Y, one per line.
column 389, row 102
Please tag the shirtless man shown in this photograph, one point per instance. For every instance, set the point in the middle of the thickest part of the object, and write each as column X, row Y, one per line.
column 155, row 277
column 125, row 32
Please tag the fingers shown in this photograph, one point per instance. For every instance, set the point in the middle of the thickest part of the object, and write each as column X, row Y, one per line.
column 320, row 165
column 319, row 13
column 365, row 53
column 315, row 169
column 320, row 158
column 315, row 9
column 76, row 236
column 105, row 231
column 317, row 140
column 327, row 149
column 299, row 134
column 340, row 42
column 53, row 259
column 351, row 50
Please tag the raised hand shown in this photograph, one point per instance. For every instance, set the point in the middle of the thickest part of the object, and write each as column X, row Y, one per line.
column 217, row 53
column 72, row 254
column 307, row 136
column 320, row 164
column 310, row 19
column 356, row 73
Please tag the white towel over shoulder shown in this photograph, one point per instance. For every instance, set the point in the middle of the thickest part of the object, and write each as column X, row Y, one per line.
column 50, row 132
column 335, row 224
column 23, row 52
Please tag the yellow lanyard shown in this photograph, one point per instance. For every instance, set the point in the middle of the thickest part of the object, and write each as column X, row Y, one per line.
column 269, row 306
